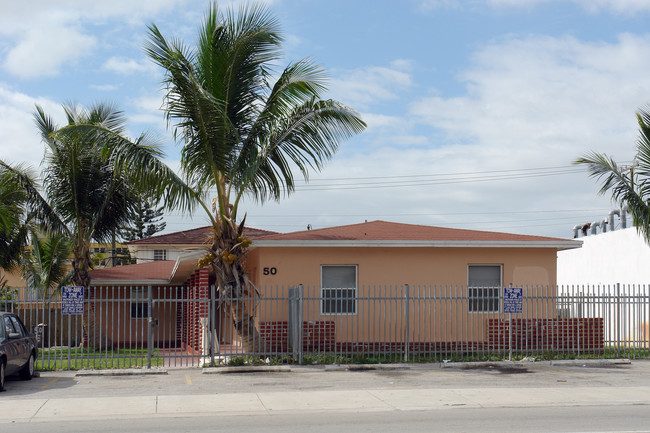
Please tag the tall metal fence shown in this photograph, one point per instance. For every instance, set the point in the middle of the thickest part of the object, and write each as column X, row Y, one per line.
column 191, row 326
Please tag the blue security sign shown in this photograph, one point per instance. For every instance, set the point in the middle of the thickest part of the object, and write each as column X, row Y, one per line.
column 513, row 299
column 72, row 298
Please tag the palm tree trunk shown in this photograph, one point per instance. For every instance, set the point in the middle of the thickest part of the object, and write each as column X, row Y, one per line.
column 244, row 324
column 237, row 292
column 93, row 335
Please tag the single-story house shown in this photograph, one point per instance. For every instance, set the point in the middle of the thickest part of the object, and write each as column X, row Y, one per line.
column 353, row 279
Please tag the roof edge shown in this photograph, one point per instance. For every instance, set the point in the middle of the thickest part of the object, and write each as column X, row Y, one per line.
column 560, row 244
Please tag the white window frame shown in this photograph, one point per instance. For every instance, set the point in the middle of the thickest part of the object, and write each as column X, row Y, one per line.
column 355, row 292
column 474, row 300
column 162, row 255
column 139, row 300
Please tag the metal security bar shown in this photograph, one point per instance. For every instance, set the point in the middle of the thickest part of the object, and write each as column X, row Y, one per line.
column 145, row 326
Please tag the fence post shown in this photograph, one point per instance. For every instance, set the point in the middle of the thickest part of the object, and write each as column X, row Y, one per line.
column 295, row 330
column 300, row 324
column 149, row 325
column 406, row 322
column 618, row 320
column 212, row 313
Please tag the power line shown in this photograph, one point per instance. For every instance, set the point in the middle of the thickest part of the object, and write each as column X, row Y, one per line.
column 470, row 173
column 433, row 179
column 367, row 215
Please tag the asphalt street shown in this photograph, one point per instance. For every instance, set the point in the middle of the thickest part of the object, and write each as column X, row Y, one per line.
column 540, row 396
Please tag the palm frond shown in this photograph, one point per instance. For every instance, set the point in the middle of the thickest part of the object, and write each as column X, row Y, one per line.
column 306, row 138
column 39, row 209
column 629, row 186
column 239, row 133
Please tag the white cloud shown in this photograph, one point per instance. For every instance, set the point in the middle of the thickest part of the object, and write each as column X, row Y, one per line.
column 558, row 92
column 151, row 103
column 34, row 55
column 44, row 35
column 617, row 6
column 362, row 87
column 104, row 87
column 126, row 66
column 539, row 102
column 434, row 4
column 21, row 142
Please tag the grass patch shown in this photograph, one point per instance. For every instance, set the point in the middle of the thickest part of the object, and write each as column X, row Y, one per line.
column 88, row 358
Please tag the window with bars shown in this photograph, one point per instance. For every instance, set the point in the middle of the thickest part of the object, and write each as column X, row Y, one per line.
column 339, row 289
column 139, row 303
column 159, row 255
column 483, row 288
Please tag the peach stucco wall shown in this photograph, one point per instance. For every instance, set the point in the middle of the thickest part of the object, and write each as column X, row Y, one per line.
column 382, row 272
column 114, row 316
column 413, row 266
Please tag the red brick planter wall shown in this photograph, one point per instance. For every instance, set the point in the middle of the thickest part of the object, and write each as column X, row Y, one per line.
column 547, row 334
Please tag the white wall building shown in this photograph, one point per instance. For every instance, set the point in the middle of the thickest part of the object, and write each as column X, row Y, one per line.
column 609, row 277
column 619, row 256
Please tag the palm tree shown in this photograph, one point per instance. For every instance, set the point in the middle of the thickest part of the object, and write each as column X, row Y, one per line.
column 15, row 219
column 12, row 233
column 92, row 179
column 243, row 134
column 94, row 176
column 44, row 266
column 629, row 184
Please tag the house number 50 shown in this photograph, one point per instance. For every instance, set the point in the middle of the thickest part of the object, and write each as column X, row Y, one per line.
column 270, row 271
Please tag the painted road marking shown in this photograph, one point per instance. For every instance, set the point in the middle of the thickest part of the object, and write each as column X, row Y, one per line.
column 51, row 382
column 188, row 379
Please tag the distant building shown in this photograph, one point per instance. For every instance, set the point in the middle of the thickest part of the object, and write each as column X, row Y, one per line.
column 619, row 256
column 171, row 246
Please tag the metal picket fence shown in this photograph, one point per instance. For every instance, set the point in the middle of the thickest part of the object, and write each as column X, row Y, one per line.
column 191, row 326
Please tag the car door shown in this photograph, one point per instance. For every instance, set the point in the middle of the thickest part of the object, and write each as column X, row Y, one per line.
column 22, row 343
column 13, row 347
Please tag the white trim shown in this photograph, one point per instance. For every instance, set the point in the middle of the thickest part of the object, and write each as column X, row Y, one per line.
column 560, row 245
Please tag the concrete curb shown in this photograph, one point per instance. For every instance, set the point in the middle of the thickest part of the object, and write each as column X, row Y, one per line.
column 365, row 367
column 594, row 363
column 303, row 368
column 248, row 369
column 590, row 362
column 524, row 363
column 483, row 364
column 122, row 372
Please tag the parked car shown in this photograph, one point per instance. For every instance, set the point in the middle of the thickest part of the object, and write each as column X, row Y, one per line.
column 18, row 349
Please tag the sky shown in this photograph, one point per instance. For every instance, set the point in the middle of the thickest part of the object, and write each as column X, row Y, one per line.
column 475, row 109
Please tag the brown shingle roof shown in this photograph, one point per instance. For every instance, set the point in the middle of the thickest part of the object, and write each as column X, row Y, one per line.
column 158, row 270
column 390, row 231
column 198, row 236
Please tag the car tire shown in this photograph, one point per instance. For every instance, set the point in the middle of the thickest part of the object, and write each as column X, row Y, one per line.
column 2, row 376
column 28, row 370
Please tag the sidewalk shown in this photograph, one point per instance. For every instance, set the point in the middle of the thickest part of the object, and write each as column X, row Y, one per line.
column 66, row 396
column 269, row 403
